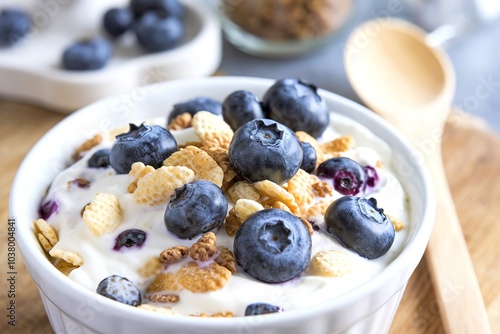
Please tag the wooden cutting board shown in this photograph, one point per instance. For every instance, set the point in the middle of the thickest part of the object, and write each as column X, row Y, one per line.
column 472, row 161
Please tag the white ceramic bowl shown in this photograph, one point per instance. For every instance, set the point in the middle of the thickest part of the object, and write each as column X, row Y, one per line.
column 30, row 71
column 71, row 308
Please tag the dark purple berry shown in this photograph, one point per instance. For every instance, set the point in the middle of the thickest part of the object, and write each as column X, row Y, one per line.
column 194, row 105
column 48, row 208
column 100, row 158
column 87, row 55
column 296, row 104
column 130, row 238
column 264, row 149
column 196, row 208
column 120, row 289
column 262, row 308
column 14, row 26
column 273, row 246
column 117, row 21
column 359, row 225
column 150, row 145
column 309, row 157
column 348, row 177
column 240, row 107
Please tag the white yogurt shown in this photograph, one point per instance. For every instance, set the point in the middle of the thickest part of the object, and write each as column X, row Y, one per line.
column 100, row 260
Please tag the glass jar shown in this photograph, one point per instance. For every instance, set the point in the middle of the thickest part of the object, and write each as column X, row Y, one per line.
column 282, row 27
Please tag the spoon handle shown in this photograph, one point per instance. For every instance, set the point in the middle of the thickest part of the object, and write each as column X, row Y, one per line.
column 455, row 284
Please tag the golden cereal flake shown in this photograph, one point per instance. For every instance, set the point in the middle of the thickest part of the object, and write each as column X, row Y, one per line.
column 70, row 257
column 331, row 263
column 46, row 230
column 196, row 279
column 157, row 187
column 244, row 208
column 272, row 190
column 243, row 189
column 103, row 214
column 152, row 267
column 211, row 130
column 199, row 161
column 299, row 186
column 180, row 122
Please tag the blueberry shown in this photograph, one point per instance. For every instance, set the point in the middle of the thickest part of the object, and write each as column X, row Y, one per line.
column 240, row 107
column 14, row 26
column 194, row 105
column 264, row 149
column 196, row 208
column 296, row 104
column 116, row 21
column 164, row 7
column 262, row 308
column 130, row 238
column 92, row 54
column 349, row 177
column 372, row 177
column 120, row 289
column 309, row 157
column 359, row 225
column 150, row 145
column 273, row 246
column 100, row 158
column 156, row 33
column 48, row 208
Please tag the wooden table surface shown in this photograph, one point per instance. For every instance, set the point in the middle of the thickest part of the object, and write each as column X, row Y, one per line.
column 472, row 161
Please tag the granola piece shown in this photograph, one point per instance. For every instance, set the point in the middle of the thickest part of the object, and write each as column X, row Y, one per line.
column 204, row 248
column 274, row 191
column 167, row 298
column 202, row 164
column 180, row 122
column 331, row 263
column 398, row 223
column 243, row 189
column 322, row 189
column 226, row 259
column 174, row 254
column 70, row 257
column 232, row 223
column 87, row 145
column 157, row 187
column 103, row 214
column 211, row 130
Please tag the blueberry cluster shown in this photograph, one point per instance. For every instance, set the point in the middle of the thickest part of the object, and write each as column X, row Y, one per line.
column 14, row 26
column 158, row 26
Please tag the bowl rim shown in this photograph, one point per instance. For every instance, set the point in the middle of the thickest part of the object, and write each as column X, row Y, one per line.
column 416, row 244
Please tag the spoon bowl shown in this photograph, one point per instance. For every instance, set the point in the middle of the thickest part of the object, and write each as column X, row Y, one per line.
column 399, row 76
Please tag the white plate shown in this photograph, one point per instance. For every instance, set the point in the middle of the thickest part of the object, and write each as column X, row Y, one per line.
column 31, row 70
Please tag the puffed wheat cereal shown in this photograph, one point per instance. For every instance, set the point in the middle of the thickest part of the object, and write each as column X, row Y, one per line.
column 67, row 256
column 299, row 187
column 243, row 189
column 138, row 170
column 211, row 130
column 340, row 144
column 202, row 164
column 46, row 230
column 103, row 214
column 274, row 191
column 244, row 208
column 322, row 189
column 157, row 187
column 331, row 263
column 168, row 298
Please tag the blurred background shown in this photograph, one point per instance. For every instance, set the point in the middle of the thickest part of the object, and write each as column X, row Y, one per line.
column 469, row 32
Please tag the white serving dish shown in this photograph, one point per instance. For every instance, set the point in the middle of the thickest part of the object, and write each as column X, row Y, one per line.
column 71, row 308
column 30, row 71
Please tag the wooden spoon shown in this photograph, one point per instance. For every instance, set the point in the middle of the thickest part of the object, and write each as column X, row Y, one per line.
column 400, row 77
